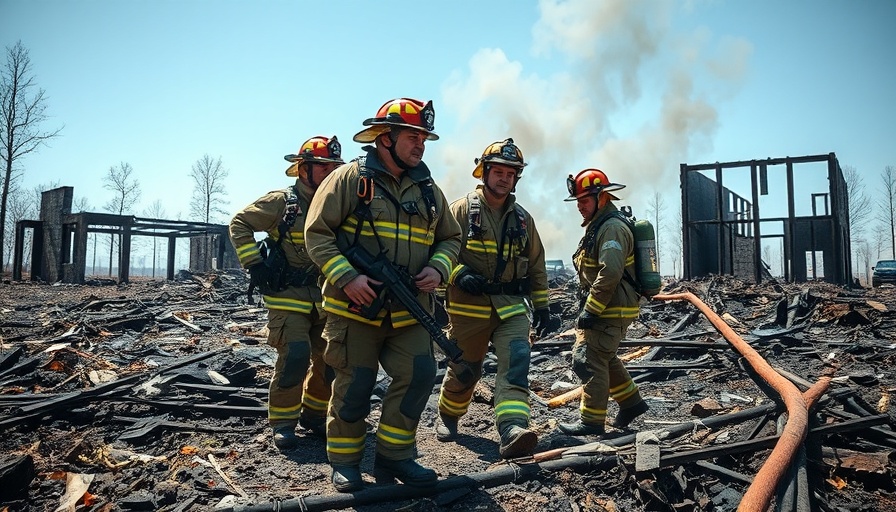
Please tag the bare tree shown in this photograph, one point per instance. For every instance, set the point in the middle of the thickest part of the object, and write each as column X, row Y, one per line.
column 888, row 205
column 677, row 244
column 208, row 189
column 155, row 211
column 859, row 202
column 19, row 207
column 81, row 204
column 121, row 181
column 863, row 259
column 879, row 236
column 22, row 111
column 656, row 206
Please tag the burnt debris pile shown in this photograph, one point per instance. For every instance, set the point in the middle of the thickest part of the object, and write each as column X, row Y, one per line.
column 152, row 396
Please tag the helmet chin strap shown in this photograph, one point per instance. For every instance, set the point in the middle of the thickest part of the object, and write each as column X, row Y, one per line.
column 395, row 158
column 309, row 175
column 398, row 161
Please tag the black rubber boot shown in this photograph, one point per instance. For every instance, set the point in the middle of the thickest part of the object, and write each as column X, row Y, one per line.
column 516, row 441
column 347, row 478
column 316, row 424
column 577, row 428
column 446, row 428
column 285, row 437
column 386, row 471
column 628, row 415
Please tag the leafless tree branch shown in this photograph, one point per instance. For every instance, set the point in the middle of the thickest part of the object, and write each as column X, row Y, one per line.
column 208, row 189
column 22, row 111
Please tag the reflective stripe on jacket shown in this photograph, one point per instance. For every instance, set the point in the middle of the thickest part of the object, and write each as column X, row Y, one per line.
column 601, row 264
column 412, row 240
column 524, row 256
column 265, row 215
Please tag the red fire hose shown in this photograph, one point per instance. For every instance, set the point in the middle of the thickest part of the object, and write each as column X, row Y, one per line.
column 759, row 494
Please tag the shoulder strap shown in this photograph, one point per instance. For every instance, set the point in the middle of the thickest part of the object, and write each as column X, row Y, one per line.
column 475, row 215
column 591, row 237
column 429, row 197
column 293, row 210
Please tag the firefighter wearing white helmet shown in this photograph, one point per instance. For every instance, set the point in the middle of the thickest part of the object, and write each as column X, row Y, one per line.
column 501, row 264
column 288, row 281
column 386, row 204
column 610, row 304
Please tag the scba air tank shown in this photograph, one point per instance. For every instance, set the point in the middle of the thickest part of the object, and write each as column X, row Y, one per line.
column 646, row 265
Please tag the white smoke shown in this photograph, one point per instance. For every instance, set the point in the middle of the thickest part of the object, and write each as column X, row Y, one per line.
column 632, row 98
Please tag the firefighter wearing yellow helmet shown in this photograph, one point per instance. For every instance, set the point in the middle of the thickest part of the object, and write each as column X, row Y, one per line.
column 611, row 303
column 501, row 264
column 385, row 205
column 288, row 280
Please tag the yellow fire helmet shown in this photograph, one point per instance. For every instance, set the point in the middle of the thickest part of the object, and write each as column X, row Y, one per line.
column 504, row 152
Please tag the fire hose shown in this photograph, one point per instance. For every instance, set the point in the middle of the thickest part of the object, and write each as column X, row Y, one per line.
column 759, row 494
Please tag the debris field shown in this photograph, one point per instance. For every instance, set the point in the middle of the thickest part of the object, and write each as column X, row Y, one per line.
column 152, row 396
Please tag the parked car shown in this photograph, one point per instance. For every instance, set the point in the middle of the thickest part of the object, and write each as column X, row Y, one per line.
column 884, row 272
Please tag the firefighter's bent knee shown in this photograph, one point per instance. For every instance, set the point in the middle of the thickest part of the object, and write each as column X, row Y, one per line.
column 422, row 379
column 356, row 402
column 297, row 359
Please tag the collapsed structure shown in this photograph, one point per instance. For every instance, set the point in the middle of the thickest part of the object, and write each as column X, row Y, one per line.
column 723, row 230
column 59, row 240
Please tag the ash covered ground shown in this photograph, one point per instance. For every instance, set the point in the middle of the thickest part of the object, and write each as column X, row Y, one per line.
column 151, row 396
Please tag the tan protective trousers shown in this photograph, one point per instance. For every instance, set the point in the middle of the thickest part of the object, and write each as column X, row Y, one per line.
column 510, row 339
column 596, row 349
column 300, row 385
column 356, row 350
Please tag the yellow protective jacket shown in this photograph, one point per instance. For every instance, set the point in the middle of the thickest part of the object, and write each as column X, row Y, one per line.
column 513, row 235
column 601, row 259
column 411, row 234
column 265, row 215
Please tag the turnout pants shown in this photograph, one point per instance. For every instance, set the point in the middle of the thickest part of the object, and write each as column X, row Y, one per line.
column 300, row 385
column 603, row 374
column 355, row 351
column 510, row 338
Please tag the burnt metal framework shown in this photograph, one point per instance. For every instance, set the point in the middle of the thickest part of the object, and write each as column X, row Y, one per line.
column 722, row 230
column 59, row 247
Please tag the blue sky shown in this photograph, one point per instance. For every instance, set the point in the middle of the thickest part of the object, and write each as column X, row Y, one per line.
column 632, row 87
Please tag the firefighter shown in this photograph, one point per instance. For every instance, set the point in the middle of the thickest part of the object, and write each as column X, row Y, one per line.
column 605, row 265
column 501, row 263
column 300, row 386
column 386, row 204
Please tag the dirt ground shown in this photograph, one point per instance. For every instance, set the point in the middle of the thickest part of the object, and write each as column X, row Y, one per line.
column 83, row 367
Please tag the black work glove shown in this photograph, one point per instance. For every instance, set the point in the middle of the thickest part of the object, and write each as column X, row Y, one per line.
column 586, row 320
column 540, row 320
column 470, row 282
column 260, row 276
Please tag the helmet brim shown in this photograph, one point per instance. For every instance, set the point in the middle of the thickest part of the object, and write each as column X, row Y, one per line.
column 293, row 170
column 609, row 189
column 316, row 159
column 375, row 129
column 479, row 170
